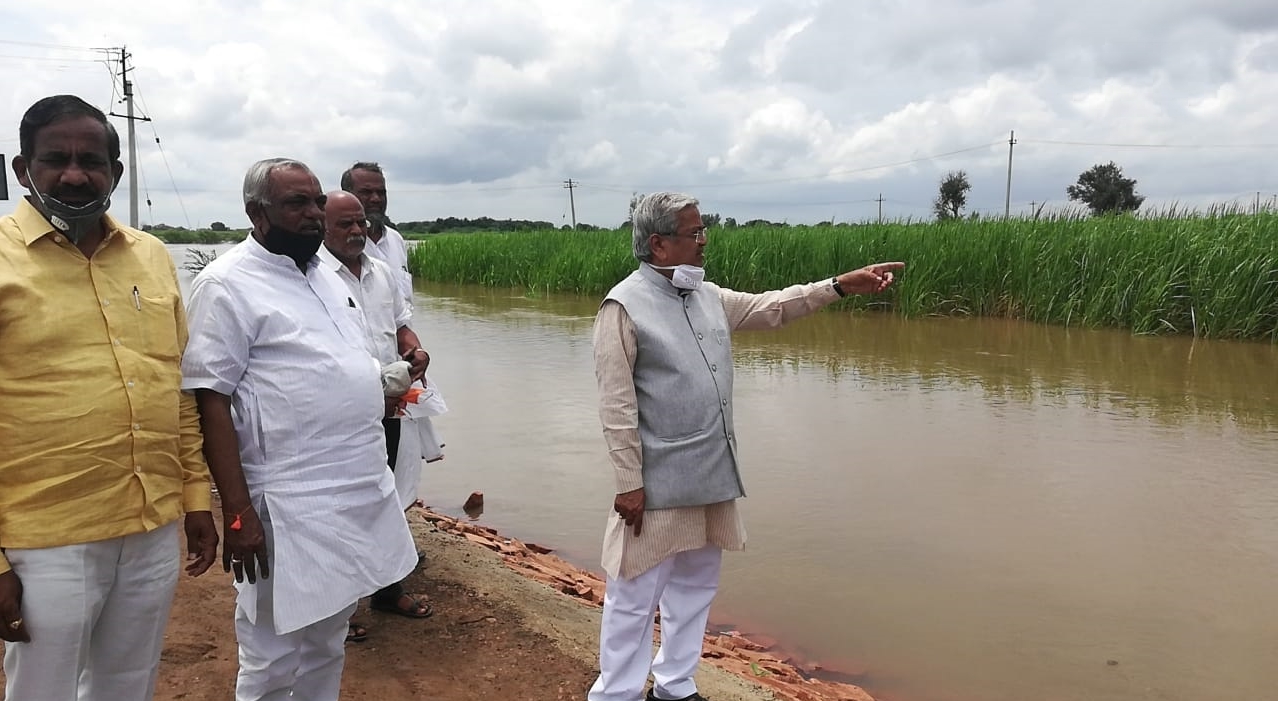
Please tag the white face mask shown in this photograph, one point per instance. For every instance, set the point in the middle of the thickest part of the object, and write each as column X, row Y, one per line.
column 685, row 277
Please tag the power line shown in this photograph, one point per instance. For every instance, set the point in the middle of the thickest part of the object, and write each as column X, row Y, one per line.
column 53, row 59
column 1167, row 146
column 165, row 158
column 63, row 47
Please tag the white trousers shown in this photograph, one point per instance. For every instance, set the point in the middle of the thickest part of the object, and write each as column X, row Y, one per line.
column 683, row 585
column 305, row 664
column 96, row 613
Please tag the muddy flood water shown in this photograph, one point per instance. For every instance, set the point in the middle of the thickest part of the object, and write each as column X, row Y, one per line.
column 943, row 509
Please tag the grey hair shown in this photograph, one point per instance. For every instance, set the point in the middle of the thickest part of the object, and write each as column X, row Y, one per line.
column 657, row 214
column 348, row 182
column 257, row 181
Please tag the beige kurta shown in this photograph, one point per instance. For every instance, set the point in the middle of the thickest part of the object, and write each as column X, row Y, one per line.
column 669, row 531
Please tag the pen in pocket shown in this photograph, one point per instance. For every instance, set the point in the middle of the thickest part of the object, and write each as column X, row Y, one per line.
column 137, row 299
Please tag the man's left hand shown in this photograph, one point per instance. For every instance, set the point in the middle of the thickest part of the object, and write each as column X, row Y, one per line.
column 872, row 279
column 201, row 542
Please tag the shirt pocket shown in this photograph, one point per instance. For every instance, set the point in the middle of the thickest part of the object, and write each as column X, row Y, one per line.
column 157, row 325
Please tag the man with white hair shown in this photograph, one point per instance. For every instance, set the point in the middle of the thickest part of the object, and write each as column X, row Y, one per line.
column 663, row 361
column 291, row 404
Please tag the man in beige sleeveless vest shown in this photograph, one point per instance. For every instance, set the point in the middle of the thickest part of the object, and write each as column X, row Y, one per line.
column 663, row 360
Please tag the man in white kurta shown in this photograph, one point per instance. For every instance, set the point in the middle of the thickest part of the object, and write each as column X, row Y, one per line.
column 367, row 182
column 384, row 319
column 663, row 361
column 291, row 407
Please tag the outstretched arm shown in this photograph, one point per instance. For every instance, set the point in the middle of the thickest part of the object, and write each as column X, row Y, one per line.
column 771, row 310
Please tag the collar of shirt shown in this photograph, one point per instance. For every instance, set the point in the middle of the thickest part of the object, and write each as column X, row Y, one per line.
column 35, row 226
column 331, row 262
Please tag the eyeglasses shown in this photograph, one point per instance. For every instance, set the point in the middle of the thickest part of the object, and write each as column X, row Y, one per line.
column 698, row 235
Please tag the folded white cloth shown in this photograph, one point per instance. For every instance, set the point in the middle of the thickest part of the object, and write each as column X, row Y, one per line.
column 395, row 378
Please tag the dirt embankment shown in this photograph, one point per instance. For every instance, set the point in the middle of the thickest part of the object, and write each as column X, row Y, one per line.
column 512, row 621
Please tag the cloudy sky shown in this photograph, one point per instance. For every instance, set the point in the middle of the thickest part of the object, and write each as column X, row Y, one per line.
column 789, row 110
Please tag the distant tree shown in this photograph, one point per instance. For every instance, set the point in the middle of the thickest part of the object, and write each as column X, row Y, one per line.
column 1104, row 190
column 710, row 221
column 217, row 226
column 952, row 197
column 730, row 223
column 210, row 236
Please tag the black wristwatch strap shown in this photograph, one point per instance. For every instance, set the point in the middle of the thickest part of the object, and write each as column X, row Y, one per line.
column 837, row 287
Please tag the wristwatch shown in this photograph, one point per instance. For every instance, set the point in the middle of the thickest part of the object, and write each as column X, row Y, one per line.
column 837, row 287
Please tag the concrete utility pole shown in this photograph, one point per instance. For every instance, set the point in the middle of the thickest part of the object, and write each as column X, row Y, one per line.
column 1007, row 201
column 133, row 140
column 569, row 184
column 880, row 201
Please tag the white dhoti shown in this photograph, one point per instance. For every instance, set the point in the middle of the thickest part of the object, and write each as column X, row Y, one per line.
column 302, row 664
column 96, row 613
column 683, row 586
column 291, row 627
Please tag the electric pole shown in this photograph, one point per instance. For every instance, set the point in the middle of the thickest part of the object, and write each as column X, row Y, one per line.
column 133, row 141
column 569, row 184
column 880, row 201
column 1007, row 201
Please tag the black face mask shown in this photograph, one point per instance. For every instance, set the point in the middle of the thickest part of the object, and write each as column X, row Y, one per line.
column 298, row 246
column 72, row 220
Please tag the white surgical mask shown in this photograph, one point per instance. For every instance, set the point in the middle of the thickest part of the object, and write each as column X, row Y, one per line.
column 685, row 277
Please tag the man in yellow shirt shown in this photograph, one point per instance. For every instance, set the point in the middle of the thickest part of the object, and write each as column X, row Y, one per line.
column 100, row 451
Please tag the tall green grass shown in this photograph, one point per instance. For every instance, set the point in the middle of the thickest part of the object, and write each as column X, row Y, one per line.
column 1211, row 275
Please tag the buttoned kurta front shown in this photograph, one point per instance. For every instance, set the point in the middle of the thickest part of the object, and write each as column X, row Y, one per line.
column 377, row 294
column 306, row 403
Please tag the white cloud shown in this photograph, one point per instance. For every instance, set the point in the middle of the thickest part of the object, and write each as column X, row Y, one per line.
column 780, row 109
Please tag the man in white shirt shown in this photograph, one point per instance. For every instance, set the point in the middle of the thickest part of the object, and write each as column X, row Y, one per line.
column 366, row 181
column 385, row 317
column 291, row 406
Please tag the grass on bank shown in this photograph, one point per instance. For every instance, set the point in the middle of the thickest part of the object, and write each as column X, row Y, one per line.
column 1211, row 275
